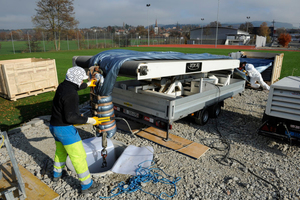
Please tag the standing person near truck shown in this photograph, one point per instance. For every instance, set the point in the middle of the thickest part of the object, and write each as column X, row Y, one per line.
column 65, row 113
column 254, row 75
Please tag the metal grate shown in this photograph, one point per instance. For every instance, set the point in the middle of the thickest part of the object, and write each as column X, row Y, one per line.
column 285, row 104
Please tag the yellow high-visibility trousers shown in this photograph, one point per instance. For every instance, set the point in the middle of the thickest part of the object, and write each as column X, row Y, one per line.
column 68, row 142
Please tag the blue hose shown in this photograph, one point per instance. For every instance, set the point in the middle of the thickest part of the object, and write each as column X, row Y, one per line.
column 144, row 175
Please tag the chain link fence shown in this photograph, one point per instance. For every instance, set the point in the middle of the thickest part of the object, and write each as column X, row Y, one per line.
column 37, row 41
column 31, row 41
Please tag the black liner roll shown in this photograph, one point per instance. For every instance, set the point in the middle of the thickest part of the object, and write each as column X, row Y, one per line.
column 83, row 61
column 129, row 68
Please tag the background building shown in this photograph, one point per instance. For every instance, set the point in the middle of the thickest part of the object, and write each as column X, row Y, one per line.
column 226, row 35
column 156, row 28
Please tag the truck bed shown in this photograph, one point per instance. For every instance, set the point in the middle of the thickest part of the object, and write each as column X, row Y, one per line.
column 169, row 108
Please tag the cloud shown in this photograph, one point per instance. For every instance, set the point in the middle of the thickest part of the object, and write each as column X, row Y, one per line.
column 16, row 14
column 15, row 22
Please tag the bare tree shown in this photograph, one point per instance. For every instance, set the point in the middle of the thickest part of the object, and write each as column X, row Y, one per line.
column 207, row 30
column 17, row 34
column 280, row 31
column 214, row 24
column 248, row 26
column 264, row 30
column 55, row 16
column 141, row 30
column 3, row 36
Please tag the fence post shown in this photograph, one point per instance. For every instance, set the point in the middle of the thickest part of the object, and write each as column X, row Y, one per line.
column 104, row 41
column 55, row 41
column 96, row 40
column 28, row 42
column 12, row 41
column 68, row 42
column 43, row 42
column 87, row 38
column 78, row 40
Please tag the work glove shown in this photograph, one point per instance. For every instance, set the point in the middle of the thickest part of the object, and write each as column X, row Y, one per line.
column 91, row 83
column 246, row 73
column 96, row 120
column 91, row 120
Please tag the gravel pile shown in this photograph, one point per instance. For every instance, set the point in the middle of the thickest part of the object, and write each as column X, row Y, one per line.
column 240, row 164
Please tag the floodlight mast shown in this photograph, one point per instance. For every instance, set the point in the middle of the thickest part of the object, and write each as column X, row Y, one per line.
column 217, row 25
column 248, row 17
column 202, row 30
column 148, row 5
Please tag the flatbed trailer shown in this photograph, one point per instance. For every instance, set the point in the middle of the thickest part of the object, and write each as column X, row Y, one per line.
column 164, row 91
column 161, row 111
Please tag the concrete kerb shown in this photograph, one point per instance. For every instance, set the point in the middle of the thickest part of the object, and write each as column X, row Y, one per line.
column 32, row 123
column 35, row 122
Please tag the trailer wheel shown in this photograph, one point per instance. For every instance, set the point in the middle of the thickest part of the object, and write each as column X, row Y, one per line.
column 215, row 110
column 202, row 117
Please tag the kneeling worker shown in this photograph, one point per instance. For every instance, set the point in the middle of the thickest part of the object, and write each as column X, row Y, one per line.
column 255, row 76
column 65, row 113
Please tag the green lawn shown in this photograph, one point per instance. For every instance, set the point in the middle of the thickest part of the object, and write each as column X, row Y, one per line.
column 14, row 113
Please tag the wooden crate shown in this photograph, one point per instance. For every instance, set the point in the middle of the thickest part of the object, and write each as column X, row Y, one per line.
column 26, row 77
column 277, row 62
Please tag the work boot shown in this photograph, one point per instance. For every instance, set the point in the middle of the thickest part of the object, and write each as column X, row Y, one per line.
column 57, row 176
column 95, row 187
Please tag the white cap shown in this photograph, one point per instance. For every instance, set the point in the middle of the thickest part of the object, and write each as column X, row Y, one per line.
column 76, row 75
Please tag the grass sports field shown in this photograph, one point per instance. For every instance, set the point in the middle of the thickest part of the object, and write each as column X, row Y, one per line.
column 7, row 47
column 14, row 113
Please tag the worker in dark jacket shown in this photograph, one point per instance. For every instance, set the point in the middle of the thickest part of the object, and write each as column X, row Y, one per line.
column 65, row 113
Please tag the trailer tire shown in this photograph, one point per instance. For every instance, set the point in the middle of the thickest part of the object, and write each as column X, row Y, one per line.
column 215, row 110
column 202, row 117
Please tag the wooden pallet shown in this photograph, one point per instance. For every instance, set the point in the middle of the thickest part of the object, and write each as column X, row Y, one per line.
column 34, row 188
column 31, row 93
column 182, row 145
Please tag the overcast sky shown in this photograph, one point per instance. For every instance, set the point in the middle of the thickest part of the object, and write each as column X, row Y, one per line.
column 16, row 14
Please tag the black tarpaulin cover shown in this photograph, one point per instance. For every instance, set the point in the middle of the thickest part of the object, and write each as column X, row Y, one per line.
column 110, row 62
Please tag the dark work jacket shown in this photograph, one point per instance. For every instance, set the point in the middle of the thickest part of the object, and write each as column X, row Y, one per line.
column 65, row 109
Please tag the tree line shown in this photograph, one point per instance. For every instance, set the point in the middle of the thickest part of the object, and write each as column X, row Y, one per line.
column 55, row 19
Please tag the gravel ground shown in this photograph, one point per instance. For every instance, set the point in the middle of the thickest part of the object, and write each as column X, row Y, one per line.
column 253, row 166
